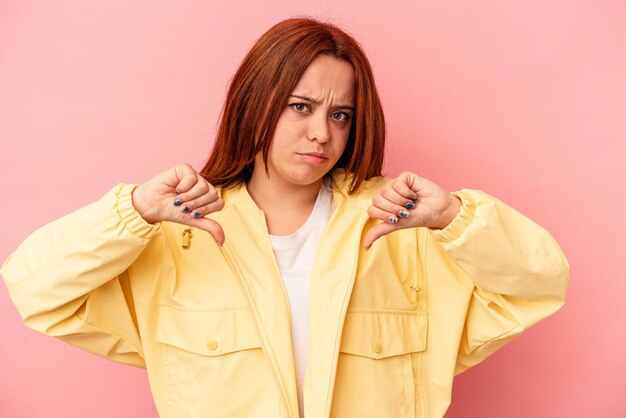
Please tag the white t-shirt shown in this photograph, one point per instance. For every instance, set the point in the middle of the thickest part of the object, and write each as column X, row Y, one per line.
column 295, row 254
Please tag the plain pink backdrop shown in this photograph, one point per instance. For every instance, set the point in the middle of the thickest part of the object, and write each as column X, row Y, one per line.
column 525, row 100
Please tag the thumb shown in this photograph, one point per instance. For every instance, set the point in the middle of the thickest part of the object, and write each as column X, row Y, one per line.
column 210, row 226
column 376, row 232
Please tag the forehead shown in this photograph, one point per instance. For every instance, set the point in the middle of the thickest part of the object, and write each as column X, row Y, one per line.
column 327, row 78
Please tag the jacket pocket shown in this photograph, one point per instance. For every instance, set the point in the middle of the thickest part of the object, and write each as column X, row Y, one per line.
column 379, row 365
column 209, row 355
column 209, row 333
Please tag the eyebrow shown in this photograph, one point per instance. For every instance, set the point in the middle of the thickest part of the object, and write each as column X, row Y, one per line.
column 312, row 100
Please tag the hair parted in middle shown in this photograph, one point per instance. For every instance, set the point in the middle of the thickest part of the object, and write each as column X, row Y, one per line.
column 259, row 92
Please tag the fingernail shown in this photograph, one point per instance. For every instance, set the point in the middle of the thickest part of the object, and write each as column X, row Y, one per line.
column 404, row 213
column 177, row 192
column 393, row 219
column 218, row 243
column 177, row 202
column 409, row 205
column 196, row 214
column 414, row 199
column 186, row 208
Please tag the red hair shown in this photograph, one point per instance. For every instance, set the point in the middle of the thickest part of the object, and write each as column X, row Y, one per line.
column 259, row 91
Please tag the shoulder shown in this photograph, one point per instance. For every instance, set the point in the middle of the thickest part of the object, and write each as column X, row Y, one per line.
column 364, row 194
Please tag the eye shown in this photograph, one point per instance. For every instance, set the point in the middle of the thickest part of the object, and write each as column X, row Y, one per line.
column 346, row 116
column 299, row 107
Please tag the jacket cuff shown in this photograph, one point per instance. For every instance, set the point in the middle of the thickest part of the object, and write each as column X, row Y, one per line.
column 129, row 216
column 461, row 221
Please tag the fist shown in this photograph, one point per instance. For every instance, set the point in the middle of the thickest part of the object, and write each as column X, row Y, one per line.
column 179, row 195
column 410, row 201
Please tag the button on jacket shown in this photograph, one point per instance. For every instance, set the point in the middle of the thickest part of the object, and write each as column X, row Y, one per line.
column 389, row 328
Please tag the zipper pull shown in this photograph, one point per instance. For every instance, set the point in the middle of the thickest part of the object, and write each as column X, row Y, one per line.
column 186, row 237
column 415, row 288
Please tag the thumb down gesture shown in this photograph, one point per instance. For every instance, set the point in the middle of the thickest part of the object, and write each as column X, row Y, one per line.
column 410, row 201
column 181, row 195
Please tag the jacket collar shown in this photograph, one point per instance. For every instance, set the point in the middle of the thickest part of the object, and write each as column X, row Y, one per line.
column 238, row 195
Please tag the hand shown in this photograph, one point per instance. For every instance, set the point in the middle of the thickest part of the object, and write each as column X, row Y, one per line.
column 410, row 201
column 157, row 200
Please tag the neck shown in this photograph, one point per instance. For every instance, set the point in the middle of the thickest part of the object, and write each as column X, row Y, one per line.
column 271, row 194
column 286, row 206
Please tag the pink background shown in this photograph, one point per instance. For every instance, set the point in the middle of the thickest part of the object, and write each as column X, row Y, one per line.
column 525, row 100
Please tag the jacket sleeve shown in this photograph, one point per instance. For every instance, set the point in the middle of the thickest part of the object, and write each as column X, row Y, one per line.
column 69, row 278
column 520, row 273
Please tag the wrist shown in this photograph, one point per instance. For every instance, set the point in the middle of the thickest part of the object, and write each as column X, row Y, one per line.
column 451, row 211
column 140, row 205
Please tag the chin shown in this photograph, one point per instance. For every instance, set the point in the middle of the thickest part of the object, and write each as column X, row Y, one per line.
column 304, row 179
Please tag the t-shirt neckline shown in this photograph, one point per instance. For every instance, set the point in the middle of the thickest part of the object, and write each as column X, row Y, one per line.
column 284, row 241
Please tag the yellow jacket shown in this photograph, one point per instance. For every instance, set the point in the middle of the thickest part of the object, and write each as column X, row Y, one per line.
column 389, row 328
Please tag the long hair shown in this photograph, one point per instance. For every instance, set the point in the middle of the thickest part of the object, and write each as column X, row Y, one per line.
column 259, row 92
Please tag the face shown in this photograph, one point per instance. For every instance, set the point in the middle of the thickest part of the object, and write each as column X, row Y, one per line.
column 313, row 128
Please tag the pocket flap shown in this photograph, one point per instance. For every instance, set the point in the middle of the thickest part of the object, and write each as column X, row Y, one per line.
column 210, row 333
column 379, row 334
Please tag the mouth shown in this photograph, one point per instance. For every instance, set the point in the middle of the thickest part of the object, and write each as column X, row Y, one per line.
column 316, row 158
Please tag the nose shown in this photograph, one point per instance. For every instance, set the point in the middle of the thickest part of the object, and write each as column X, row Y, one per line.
column 318, row 128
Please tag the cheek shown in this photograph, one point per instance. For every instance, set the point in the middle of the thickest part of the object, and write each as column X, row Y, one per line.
column 342, row 141
column 286, row 134
column 280, row 139
column 340, row 147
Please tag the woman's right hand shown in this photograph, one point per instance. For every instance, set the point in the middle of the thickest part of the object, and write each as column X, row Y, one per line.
column 157, row 200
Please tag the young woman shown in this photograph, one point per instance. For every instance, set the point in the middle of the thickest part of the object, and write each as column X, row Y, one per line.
column 288, row 277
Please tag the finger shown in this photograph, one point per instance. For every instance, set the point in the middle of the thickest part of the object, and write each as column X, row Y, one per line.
column 405, row 191
column 207, row 198
column 376, row 232
column 210, row 226
column 203, row 210
column 188, row 178
column 400, row 198
column 199, row 188
column 387, row 209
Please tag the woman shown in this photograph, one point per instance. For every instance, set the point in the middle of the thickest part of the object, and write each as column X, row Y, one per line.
column 325, row 289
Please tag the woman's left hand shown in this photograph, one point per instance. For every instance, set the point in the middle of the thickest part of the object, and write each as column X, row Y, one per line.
column 410, row 201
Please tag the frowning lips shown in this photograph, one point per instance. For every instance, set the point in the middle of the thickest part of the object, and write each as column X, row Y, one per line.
column 316, row 158
column 315, row 154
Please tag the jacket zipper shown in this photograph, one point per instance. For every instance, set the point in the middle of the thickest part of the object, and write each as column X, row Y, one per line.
column 230, row 259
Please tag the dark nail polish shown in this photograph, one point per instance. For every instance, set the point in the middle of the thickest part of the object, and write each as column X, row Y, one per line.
column 404, row 213
column 409, row 205
column 186, row 209
column 177, row 192
column 177, row 202
column 393, row 219
column 196, row 214
column 414, row 199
